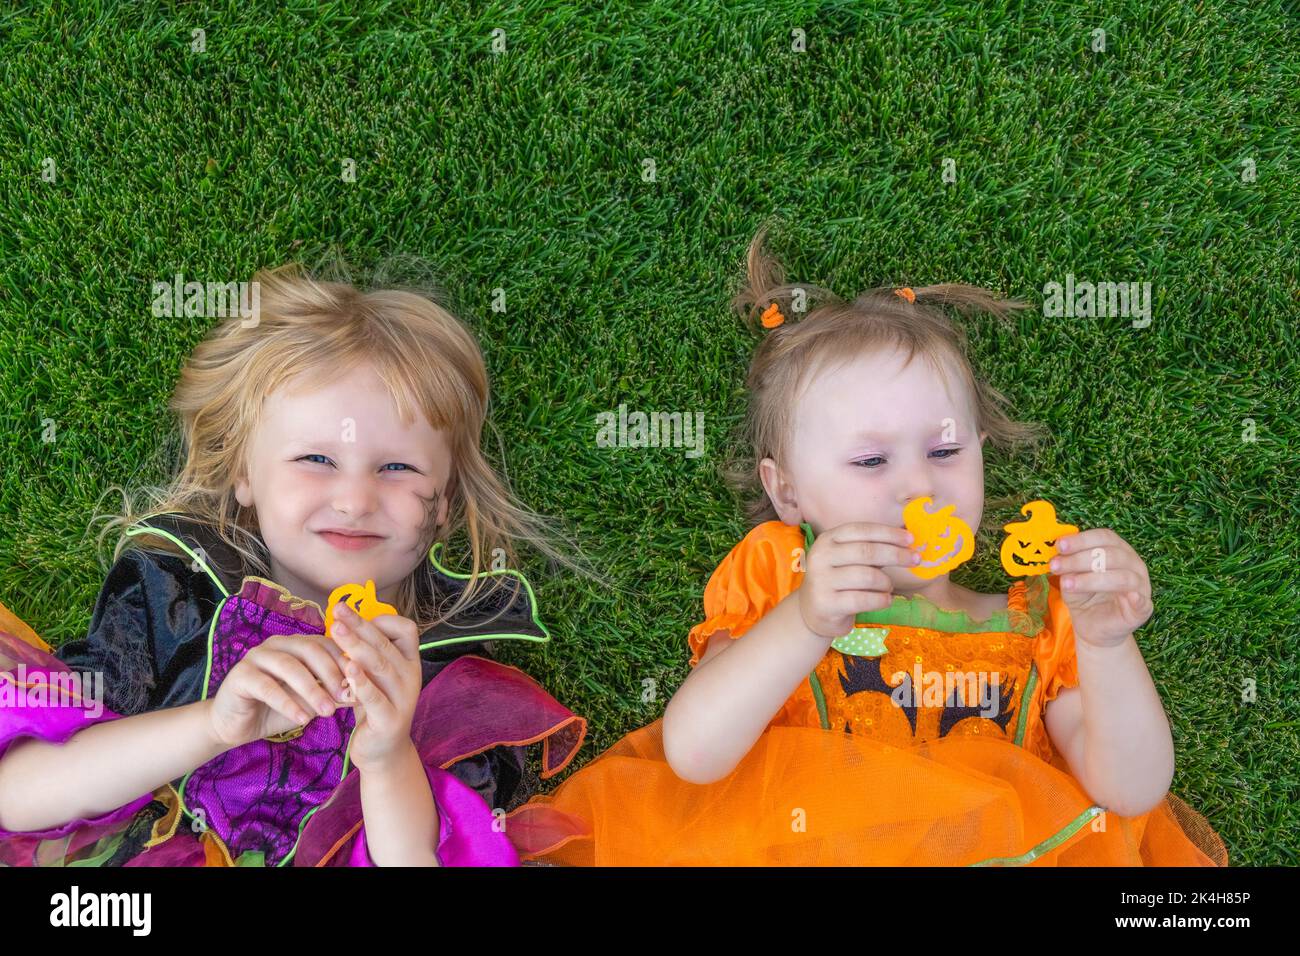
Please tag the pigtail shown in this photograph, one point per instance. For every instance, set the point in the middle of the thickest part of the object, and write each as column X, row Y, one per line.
column 969, row 300
column 765, row 300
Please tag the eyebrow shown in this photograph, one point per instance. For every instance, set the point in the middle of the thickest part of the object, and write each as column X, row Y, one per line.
column 332, row 445
column 885, row 436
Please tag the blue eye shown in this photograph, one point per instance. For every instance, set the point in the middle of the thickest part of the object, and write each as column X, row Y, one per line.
column 944, row 453
column 326, row 461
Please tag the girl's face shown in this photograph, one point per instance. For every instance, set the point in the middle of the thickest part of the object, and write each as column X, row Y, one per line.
column 870, row 437
column 339, row 458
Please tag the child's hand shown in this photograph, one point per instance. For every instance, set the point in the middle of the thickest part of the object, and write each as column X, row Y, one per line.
column 843, row 576
column 385, row 674
column 1105, row 606
column 276, row 687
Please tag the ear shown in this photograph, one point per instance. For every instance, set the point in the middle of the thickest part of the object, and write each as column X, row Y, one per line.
column 243, row 491
column 983, row 437
column 780, row 492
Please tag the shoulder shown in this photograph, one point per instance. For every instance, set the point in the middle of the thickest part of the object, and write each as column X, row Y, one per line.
column 504, row 606
column 770, row 555
column 148, row 628
column 774, row 534
column 769, row 547
column 755, row 576
column 190, row 542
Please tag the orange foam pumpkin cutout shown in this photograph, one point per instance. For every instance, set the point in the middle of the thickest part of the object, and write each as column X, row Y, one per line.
column 944, row 540
column 361, row 599
column 1031, row 544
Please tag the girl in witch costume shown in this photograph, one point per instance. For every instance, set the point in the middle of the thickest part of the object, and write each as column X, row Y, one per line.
column 207, row 718
column 848, row 704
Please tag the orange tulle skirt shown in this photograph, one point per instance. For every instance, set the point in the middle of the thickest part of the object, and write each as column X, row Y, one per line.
column 805, row 796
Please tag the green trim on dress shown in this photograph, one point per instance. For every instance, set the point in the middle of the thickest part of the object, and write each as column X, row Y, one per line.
column 1051, row 843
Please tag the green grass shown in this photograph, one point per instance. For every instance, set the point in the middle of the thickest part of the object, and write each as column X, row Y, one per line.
column 523, row 171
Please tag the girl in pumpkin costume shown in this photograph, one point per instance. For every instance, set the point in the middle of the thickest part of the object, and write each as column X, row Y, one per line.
column 244, row 733
column 848, row 704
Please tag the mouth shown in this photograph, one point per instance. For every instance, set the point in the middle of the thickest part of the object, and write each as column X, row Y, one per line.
column 1027, row 564
column 350, row 540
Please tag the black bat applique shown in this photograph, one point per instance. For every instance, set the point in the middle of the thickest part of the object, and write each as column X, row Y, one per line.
column 863, row 675
column 953, row 711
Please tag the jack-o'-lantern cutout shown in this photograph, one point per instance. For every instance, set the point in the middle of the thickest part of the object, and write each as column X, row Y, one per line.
column 1031, row 544
column 944, row 540
column 361, row 599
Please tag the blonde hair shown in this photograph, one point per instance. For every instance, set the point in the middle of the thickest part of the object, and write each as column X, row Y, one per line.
column 835, row 331
column 306, row 326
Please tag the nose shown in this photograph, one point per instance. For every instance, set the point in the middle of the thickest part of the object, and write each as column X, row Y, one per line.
column 919, row 490
column 354, row 495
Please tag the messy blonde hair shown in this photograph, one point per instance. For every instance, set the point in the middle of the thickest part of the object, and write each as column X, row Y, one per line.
column 309, row 327
column 833, row 330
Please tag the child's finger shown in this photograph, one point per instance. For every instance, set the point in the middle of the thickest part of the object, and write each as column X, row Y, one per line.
column 402, row 633
column 1085, row 540
column 870, row 531
column 857, row 577
column 350, row 622
column 372, row 697
column 1083, row 560
column 870, row 553
column 1095, row 582
column 265, row 689
column 378, row 669
column 383, row 664
column 293, row 673
column 325, row 664
column 851, row 603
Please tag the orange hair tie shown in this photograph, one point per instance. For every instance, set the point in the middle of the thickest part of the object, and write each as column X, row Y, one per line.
column 905, row 293
column 772, row 317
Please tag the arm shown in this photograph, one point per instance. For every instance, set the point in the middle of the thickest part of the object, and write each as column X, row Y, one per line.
column 101, row 767
column 84, row 771
column 1112, row 729
column 727, row 701
column 402, row 824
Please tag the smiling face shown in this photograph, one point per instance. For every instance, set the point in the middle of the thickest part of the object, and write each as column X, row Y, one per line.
column 339, row 457
column 872, row 436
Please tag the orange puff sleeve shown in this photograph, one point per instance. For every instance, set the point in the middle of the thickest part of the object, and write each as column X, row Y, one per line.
column 752, row 579
column 1054, row 657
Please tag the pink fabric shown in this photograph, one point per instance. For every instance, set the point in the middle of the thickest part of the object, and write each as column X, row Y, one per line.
column 470, row 705
column 465, row 833
column 55, row 722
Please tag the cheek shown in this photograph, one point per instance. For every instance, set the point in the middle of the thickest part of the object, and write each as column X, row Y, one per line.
column 852, row 495
column 290, row 493
column 412, row 505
